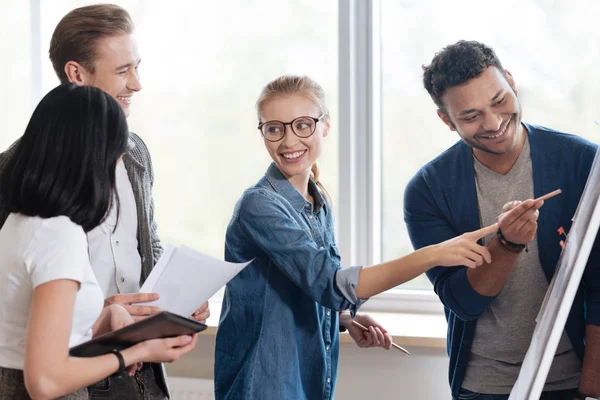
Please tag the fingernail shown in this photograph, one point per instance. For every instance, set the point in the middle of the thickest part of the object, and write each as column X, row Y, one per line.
column 188, row 339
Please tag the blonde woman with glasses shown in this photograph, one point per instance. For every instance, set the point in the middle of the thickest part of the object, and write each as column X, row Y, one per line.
column 278, row 336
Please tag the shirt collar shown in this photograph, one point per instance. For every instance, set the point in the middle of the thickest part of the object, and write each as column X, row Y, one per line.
column 282, row 186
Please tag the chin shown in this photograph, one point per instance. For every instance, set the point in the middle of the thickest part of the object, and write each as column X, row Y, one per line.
column 291, row 170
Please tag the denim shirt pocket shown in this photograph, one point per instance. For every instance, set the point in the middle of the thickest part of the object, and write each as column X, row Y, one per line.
column 330, row 241
column 335, row 252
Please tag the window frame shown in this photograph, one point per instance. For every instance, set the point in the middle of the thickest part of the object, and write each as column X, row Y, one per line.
column 359, row 208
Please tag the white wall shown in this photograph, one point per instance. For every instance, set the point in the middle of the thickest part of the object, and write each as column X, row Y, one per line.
column 363, row 373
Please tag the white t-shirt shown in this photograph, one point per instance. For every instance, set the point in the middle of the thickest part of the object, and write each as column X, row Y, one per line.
column 35, row 251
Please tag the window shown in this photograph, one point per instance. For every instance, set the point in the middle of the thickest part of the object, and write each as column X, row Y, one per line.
column 551, row 48
column 204, row 64
column 203, row 67
column 15, row 70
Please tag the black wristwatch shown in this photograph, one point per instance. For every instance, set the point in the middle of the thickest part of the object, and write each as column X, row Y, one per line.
column 121, row 371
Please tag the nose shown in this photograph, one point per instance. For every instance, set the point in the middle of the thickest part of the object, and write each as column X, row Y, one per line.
column 492, row 122
column 134, row 81
column 289, row 137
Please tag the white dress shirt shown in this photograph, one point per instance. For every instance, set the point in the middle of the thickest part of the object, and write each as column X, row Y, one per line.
column 114, row 252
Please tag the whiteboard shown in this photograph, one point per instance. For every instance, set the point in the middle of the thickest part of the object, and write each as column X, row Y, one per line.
column 559, row 298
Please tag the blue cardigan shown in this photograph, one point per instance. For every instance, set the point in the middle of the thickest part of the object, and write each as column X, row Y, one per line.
column 440, row 202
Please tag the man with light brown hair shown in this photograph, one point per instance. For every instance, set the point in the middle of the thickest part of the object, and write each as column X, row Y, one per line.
column 94, row 45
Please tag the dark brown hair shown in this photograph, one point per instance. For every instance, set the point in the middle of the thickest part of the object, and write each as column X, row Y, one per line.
column 457, row 64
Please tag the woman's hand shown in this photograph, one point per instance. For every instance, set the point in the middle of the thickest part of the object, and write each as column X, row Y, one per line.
column 120, row 318
column 376, row 336
column 464, row 250
column 162, row 350
column 113, row 317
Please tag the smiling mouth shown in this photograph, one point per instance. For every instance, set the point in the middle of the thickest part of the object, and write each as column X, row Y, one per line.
column 124, row 99
column 499, row 134
column 294, row 155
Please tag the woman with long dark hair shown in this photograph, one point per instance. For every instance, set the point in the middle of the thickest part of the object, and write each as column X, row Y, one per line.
column 58, row 185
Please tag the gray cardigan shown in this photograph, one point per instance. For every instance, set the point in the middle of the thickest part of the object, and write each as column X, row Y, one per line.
column 141, row 175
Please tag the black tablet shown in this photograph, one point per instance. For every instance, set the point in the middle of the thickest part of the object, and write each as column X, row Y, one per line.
column 161, row 325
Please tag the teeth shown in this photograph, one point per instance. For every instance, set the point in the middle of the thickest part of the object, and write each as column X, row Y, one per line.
column 126, row 100
column 498, row 135
column 291, row 156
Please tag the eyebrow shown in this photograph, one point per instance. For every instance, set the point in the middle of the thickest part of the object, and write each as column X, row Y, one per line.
column 124, row 66
column 472, row 110
column 497, row 95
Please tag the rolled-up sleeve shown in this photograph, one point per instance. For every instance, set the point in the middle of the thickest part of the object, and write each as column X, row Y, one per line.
column 347, row 280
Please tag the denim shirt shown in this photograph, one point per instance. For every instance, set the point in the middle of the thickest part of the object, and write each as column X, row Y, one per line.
column 278, row 337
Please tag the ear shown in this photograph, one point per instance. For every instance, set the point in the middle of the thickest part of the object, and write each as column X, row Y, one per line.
column 77, row 74
column 326, row 128
column 511, row 81
column 445, row 119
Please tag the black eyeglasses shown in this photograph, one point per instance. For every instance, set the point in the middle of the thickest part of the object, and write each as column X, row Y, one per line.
column 303, row 127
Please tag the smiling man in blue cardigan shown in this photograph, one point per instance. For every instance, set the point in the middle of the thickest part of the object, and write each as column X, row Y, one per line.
column 500, row 162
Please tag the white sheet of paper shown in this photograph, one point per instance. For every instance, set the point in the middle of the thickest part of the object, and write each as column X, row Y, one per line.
column 185, row 279
column 559, row 298
column 158, row 269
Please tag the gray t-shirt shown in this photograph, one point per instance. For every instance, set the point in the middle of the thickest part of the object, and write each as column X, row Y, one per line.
column 504, row 330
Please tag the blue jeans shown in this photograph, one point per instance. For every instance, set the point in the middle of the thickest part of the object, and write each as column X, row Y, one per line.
column 142, row 386
column 465, row 394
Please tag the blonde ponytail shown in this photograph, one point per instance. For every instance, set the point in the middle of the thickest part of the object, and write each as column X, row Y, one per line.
column 314, row 175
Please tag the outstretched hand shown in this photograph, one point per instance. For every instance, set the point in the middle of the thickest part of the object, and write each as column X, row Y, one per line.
column 464, row 249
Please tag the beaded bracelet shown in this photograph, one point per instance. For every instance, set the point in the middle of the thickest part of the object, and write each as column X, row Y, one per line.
column 510, row 246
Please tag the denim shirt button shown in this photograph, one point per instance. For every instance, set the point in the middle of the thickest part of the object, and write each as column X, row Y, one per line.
column 328, row 313
column 327, row 348
column 310, row 216
column 321, row 248
column 328, row 379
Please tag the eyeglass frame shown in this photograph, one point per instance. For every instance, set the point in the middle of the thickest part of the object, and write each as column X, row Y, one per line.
column 317, row 120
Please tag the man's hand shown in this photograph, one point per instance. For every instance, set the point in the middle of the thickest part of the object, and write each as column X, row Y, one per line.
column 518, row 222
column 377, row 336
column 201, row 314
column 128, row 299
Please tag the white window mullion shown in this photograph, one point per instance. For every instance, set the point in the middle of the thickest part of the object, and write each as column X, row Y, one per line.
column 359, row 205
column 36, row 51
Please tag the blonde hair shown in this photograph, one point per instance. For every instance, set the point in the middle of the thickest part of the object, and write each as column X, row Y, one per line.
column 287, row 85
